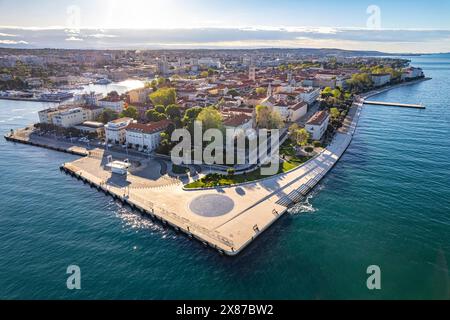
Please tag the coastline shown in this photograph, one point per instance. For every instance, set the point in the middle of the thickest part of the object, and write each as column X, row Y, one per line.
column 264, row 202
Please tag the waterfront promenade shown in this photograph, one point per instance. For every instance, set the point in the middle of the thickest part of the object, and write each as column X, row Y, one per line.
column 227, row 219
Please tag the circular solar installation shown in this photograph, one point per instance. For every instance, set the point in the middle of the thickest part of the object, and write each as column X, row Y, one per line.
column 211, row 205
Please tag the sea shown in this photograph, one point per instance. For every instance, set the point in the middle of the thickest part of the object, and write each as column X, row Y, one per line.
column 386, row 204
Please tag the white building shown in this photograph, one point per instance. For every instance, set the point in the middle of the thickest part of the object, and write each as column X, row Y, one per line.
column 279, row 105
column 380, row 79
column 46, row 116
column 71, row 117
column 412, row 73
column 162, row 66
column 236, row 126
column 309, row 95
column 90, row 99
column 318, row 124
column 209, row 62
column 97, row 128
column 115, row 131
column 114, row 104
column 289, row 111
column 297, row 111
column 145, row 136
column 252, row 73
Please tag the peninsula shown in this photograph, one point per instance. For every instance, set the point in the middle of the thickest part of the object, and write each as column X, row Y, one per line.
column 124, row 139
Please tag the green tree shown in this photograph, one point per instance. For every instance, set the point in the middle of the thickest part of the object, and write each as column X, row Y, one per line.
column 107, row 115
column 302, row 137
column 164, row 96
column 233, row 93
column 360, row 82
column 334, row 113
column 173, row 111
column 327, row 92
column 154, row 116
column 211, row 72
column 210, row 118
column 268, row 118
column 130, row 112
column 260, row 91
column 160, row 109
column 191, row 114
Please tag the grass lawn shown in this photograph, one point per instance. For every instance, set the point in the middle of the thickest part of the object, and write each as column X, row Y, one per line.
column 217, row 180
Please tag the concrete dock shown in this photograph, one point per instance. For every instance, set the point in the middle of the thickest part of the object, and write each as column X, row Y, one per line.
column 226, row 219
column 395, row 104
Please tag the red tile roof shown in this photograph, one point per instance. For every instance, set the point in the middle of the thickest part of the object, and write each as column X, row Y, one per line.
column 150, row 127
column 237, row 120
column 318, row 118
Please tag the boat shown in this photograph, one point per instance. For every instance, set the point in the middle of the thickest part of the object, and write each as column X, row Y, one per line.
column 103, row 81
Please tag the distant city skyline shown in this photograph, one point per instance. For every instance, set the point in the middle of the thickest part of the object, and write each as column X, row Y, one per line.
column 388, row 26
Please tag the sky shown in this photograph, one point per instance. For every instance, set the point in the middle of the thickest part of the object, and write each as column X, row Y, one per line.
column 389, row 26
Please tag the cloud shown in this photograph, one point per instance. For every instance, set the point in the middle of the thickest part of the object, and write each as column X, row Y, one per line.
column 102, row 35
column 12, row 42
column 386, row 40
column 7, row 35
column 72, row 38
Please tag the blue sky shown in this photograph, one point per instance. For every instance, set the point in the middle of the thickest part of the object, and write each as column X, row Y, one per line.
column 283, row 23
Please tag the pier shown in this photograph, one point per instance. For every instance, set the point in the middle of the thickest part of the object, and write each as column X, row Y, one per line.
column 395, row 104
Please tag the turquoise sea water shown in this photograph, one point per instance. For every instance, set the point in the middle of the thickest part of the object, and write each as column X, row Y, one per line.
column 386, row 203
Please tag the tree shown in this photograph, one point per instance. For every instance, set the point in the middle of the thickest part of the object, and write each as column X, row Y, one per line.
column 113, row 95
column 327, row 92
column 268, row 118
column 154, row 116
column 233, row 93
column 293, row 131
column 204, row 74
column 298, row 135
column 335, row 114
column 130, row 112
column 210, row 118
column 160, row 109
column 211, row 72
column 302, row 137
column 260, row 91
column 191, row 114
column 164, row 96
column 173, row 111
column 360, row 82
column 107, row 115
